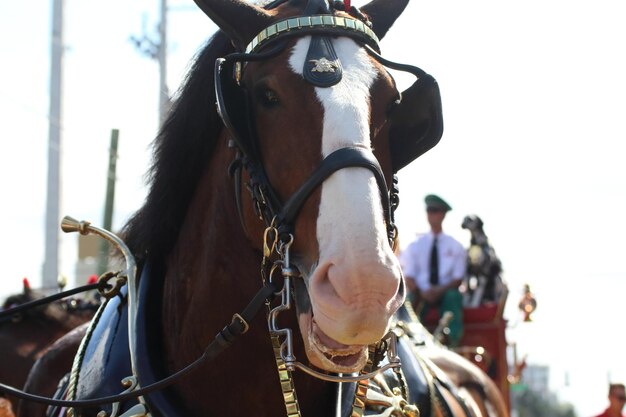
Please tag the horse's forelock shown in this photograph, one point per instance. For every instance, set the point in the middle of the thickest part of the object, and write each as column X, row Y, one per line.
column 181, row 152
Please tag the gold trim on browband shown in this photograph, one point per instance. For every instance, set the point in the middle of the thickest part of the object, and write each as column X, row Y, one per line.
column 311, row 22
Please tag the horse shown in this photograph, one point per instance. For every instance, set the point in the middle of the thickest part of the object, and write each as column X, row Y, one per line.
column 51, row 368
column 26, row 336
column 484, row 268
column 268, row 191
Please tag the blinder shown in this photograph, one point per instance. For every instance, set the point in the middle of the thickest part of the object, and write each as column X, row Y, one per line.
column 233, row 104
column 234, row 108
column 416, row 123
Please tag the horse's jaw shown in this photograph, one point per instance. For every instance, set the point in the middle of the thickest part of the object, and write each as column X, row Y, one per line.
column 328, row 354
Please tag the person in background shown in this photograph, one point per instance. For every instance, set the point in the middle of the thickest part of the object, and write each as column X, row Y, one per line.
column 617, row 398
column 434, row 267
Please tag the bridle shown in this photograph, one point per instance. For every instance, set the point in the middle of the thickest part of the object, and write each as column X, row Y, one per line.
column 279, row 217
column 228, row 76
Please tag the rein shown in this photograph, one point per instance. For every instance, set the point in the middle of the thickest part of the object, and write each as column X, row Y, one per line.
column 10, row 313
column 223, row 340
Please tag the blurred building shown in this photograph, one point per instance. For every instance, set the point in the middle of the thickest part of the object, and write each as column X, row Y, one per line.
column 536, row 378
column 87, row 263
column 90, row 253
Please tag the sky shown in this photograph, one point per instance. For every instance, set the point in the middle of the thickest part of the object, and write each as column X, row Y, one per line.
column 533, row 93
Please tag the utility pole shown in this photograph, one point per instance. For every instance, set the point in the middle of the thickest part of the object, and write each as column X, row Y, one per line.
column 51, row 260
column 107, row 223
column 157, row 50
column 164, row 95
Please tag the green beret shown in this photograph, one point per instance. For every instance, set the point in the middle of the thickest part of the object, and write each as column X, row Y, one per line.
column 435, row 202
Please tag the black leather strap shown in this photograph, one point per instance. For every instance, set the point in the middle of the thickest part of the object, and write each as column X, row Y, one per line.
column 9, row 313
column 341, row 158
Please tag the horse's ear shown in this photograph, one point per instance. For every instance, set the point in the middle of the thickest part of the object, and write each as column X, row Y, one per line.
column 239, row 19
column 383, row 14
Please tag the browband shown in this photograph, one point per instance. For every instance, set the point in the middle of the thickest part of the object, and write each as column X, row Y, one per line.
column 325, row 23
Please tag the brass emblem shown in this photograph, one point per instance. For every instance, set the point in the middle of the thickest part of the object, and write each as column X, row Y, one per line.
column 323, row 65
column 389, row 402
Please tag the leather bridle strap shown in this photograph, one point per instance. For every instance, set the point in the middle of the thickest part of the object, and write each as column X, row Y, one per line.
column 225, row 338
column 352, row 156
column 418, row 72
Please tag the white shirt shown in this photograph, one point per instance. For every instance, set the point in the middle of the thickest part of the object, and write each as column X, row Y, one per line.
column 415, row 260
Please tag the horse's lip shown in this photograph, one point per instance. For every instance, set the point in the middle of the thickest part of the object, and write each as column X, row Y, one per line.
column 326, row 342
column 345, row 358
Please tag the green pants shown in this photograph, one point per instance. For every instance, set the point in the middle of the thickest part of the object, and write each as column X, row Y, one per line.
column 451, row 301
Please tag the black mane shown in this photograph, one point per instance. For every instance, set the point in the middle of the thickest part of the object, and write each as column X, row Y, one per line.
column 180, row 153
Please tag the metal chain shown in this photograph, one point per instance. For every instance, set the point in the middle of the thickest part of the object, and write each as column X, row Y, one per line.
column 360, row 395
column 272, row 245
column 286, row 382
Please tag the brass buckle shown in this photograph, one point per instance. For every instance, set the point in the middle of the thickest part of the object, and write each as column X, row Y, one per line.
column 246, row 327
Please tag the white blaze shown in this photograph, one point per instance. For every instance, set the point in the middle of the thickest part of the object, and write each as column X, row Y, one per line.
column 350, row 206
column 354, row 286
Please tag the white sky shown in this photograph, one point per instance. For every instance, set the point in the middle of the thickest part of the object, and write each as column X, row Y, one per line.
column 534, row 96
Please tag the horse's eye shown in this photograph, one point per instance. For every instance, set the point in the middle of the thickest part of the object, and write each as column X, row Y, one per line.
column 268, row 97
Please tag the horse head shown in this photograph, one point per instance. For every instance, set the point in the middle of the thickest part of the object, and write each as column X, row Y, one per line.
column 320, row 142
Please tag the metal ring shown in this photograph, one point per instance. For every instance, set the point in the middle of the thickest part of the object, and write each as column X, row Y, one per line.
column 114, row 289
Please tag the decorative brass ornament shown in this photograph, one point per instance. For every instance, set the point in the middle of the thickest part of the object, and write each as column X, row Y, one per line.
column 390, row 402
column 322, row 23
column 323, row 65
column 139, row 410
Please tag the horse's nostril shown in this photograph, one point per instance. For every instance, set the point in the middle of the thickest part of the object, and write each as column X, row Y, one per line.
column 345, row 285
column 323, row 281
